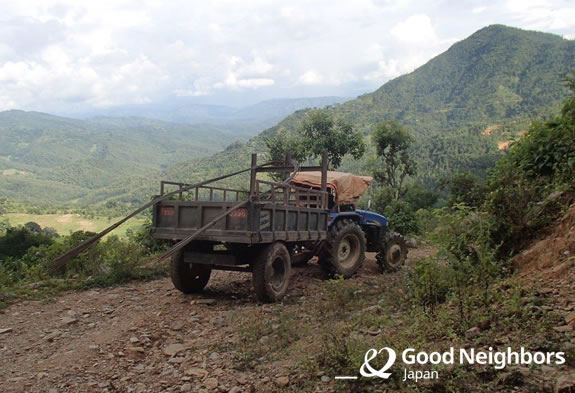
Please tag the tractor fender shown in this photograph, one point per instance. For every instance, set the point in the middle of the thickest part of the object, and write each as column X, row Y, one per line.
column 334, row 217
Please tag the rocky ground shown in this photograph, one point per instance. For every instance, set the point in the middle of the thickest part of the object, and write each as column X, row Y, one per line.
column 142, row 337
column 148, row 337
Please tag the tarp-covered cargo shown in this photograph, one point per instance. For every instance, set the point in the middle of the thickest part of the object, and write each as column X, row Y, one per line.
column 347, row 187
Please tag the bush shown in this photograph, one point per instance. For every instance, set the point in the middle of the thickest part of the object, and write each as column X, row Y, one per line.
column 141, row 236
column 16, row 241
column 538, row 164
column 465, row 268
column 465, row 188
column 110, row 261
column 402, row 217
column 382, row 197
column 420, row 197
column 430, row 284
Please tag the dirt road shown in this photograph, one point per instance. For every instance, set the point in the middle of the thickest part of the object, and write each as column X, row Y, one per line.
column 142, row 337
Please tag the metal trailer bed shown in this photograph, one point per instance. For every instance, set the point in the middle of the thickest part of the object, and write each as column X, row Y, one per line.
column 247, row 223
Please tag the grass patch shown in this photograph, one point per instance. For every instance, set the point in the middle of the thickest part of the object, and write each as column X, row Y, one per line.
column 65, row 224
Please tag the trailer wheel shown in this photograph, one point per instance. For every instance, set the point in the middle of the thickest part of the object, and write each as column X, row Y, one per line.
column 271, row 272
column 392, row 253
column 188, row 277
column 343, row 253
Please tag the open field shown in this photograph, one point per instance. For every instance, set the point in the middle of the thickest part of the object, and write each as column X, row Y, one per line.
column 64, row 224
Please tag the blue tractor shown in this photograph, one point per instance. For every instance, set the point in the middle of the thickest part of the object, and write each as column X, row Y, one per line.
column 352, row 232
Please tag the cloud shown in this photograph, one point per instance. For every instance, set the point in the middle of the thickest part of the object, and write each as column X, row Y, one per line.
column 416, row 29
column 56, row 55
column 244, row 74
column 539, row 14
column 311, row 77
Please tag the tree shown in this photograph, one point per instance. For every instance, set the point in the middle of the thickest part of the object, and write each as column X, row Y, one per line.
column 318, row 132
column 420, row 197
column 394, row 162
column 465, row 188
column 281, row 144
column 321, row 132
column 16, row 241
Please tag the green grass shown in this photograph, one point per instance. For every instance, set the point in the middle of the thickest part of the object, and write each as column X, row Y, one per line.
column 64, row 224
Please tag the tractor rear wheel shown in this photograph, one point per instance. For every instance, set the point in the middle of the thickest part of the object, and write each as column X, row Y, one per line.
column 188, row 277
column 343, row 253
column 392, row 253
column 271, row 272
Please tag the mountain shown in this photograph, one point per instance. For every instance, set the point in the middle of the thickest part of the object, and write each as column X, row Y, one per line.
column 51, row 158
column 47, row 158
column 247, row 120
column 462, row 106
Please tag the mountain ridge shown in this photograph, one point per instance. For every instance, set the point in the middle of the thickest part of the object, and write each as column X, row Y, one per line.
column 46, row 157
column 499, row 77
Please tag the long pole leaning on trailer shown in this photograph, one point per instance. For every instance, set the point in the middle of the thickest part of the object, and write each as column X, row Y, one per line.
column 63, row 259
column 254, row 169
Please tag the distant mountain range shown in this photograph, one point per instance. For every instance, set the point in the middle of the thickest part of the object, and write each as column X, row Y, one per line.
column 462, row 107
column 250, row 119
column 47, row 158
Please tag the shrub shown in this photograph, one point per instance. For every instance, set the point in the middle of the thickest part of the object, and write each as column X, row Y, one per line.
column 420, row 197
column 16, row 241
column 402, row 217
column 465, row 188
column 430, row 284
column 382, row 197
column 141, row 236
column 536, row 165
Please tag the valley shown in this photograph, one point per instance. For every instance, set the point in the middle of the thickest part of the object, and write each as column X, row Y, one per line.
column 473, row 167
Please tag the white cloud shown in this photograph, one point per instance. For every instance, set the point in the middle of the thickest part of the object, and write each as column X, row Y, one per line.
column 233, row 82
column 243, row 74
column 416, row 29
column 311, row 77
column 540, row 14
column 58, row 54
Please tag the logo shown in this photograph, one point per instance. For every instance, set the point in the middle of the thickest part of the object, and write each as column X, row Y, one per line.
column 371, row 372
column 410, row 357
column 368, row 371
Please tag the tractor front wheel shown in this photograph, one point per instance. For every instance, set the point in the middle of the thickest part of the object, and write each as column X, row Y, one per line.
column 392, row 252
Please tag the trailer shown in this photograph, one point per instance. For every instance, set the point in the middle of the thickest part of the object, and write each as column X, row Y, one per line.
column 262, row 230
column 266, row 228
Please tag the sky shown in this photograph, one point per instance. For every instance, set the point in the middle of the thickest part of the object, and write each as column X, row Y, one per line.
column 61, row 56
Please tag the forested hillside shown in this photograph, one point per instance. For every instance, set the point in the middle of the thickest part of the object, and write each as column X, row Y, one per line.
column 47, row 158
column 463, row 107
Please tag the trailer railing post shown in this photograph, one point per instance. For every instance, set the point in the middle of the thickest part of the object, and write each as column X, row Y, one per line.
column 287, row 164
column 253, row 174
column 324, row 163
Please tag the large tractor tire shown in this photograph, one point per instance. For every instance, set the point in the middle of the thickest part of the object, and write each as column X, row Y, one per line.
column 188, row 277
column 343, row 253
column 271, row 272
column 392, row 253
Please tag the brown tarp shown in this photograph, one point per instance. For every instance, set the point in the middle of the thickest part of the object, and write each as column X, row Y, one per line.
column 347, row 187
